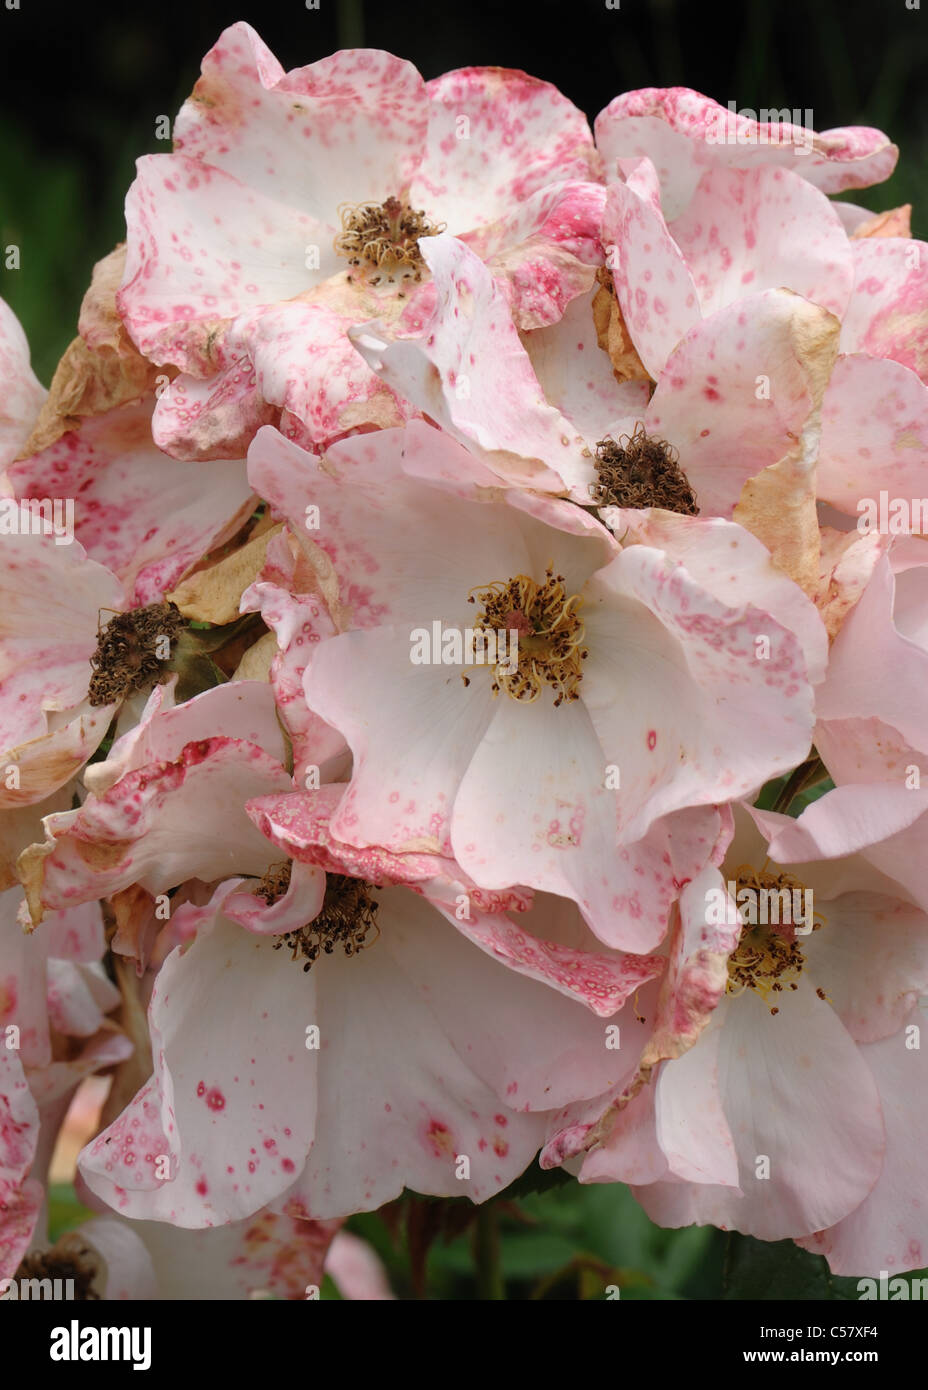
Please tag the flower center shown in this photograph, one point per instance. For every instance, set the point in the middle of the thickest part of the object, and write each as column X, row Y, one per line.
column 382, row 239
column 638, row 471
column 348, row 914
column 549, row 630
column 768, row 958
column 78, row 1263
column 132, row 652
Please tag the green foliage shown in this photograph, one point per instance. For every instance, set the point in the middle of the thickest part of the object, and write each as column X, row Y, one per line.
column 567, row 1241
column 781, row 1270
column 535, row 1179
column 581, row 1243
column 64, row 1210
column 577, row 1243
column 46, row 212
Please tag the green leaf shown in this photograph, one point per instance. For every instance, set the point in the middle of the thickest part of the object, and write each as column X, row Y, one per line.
column 535, row 1179
column 780, row 1270
column 769, row 793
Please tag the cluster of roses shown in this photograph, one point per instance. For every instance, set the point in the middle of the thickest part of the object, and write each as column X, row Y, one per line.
column 382, row 354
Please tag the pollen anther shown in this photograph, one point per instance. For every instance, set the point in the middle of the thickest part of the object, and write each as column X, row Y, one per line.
column 347, row 916
column 384, row 237
column 550, row 635
column 768, row 958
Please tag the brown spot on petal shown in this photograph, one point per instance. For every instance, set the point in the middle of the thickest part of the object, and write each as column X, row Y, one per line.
column 213, row 594
column 101, row 369
column 778, row 503
column 612, row 334
column 98, row 855
column 893, row 222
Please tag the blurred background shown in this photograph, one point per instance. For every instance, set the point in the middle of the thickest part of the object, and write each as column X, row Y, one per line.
column 81, row 89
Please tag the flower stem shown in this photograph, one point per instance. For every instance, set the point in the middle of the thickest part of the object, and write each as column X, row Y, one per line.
column 349, row 19
column 806, row 775
column 489, row 1275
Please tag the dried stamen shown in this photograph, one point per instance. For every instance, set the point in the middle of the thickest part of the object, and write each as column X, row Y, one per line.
column 71, row 1259
column 550, row 635
column 638, row 471
column 132, row 652
column 348, row 915
column 275, row 882
column 383, row 238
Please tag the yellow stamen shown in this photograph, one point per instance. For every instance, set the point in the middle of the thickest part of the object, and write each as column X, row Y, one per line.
column 550, row 634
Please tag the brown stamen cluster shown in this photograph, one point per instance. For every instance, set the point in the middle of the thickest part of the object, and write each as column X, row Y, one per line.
column 348, row 915
column 275, row 882
column 638, row 471
column 131, row 652
column 550, row 635
column 384, row 237
column 78, row 1263
column 768, row 959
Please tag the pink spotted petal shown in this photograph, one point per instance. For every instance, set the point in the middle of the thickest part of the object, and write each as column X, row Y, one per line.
column 739, row 391
column 886, row 316
column 306, row 366
column 876, row 670
column 452, row 374
column 299, row 905
column 54, row 600
column 301, row 622
column 203, row 247
column 729, row 562
column 684, row 133
column 223, row 1118
column 577, row 377
column 767, row 228
column 874, row 434
column 20, row 1200
column 264, row 1255
column 696, row 735
column 551, row 943
column 543, row 254
column 215, row 418
column 349, row 128
column 653, row 285
column 242, row 709
column 144, row 516
column 495, row 137
column 157, row 826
